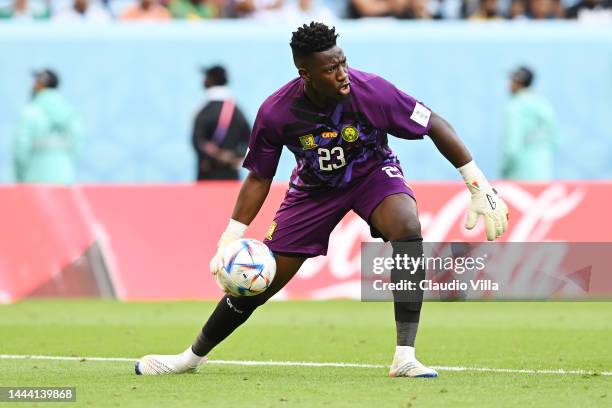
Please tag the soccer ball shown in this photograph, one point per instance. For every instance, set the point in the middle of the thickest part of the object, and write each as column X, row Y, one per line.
column 248, row 268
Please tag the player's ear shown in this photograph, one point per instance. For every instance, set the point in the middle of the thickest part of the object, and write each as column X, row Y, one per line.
column 304, row 74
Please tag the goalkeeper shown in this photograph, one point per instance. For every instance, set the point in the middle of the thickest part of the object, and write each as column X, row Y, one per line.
column 335, row 120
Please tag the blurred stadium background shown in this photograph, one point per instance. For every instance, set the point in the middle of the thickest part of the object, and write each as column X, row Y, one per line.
column 137, row 87
column 136, row 226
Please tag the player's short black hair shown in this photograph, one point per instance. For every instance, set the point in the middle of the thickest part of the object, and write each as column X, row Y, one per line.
column 216, row 74
column 313, row 37
column 524, row 76
column 47, row 77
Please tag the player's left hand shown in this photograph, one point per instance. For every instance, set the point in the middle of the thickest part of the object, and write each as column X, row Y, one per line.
column 493, row 209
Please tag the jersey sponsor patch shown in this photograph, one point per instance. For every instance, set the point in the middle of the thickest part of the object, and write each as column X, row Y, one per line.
column 350, row 133
column 308, row 142
column 329, row 135
column 420, row 115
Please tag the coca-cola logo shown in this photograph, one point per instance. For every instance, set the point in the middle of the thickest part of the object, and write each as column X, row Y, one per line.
column 532, row 215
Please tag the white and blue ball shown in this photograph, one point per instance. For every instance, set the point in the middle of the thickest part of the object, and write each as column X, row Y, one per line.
column 248, row 268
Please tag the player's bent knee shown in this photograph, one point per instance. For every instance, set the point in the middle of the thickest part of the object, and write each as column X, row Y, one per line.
column 405, row 231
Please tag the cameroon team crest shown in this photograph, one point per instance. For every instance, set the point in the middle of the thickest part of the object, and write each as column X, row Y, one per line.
column 308, row 142
column 350, row 133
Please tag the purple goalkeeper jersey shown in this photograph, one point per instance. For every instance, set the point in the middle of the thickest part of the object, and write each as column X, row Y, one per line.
column 335, row 145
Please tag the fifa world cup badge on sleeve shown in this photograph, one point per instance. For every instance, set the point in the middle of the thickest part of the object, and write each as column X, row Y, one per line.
column 420, row 115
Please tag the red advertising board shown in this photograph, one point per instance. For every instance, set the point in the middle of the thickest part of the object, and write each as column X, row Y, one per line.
column 155, row 241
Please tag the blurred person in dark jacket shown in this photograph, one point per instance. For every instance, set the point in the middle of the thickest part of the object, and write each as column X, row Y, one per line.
column 221, row 131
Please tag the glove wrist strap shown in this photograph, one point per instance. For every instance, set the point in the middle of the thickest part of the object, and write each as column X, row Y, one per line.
column 473, row 177
column 235, row 230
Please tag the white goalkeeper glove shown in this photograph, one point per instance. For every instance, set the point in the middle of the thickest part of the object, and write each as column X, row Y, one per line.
column 235, row 230
column 485, row 202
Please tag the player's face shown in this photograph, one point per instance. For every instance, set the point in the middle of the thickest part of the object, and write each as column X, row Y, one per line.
column 328, row 74
column 515, row 86
column 38, row 86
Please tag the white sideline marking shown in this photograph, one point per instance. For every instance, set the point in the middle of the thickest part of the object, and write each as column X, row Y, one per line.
column 312, row 364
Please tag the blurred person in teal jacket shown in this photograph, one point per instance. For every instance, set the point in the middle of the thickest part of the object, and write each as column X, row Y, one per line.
column 530, row 133
column 48, row 134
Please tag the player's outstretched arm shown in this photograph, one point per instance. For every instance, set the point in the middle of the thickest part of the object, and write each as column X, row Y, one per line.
column 485, row 201
column 252, row 195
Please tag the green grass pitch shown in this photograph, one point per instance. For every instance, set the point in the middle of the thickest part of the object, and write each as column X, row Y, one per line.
column 570, row 336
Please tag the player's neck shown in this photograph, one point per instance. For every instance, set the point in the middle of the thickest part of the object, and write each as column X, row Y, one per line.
column 316, row 99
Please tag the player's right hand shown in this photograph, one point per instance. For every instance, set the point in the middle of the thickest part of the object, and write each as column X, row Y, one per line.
column 234, row 231
column 216, row 263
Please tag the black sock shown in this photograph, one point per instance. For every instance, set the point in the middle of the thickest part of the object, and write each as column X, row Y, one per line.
column 230, row 313
column 407, row 331
column 407, row 304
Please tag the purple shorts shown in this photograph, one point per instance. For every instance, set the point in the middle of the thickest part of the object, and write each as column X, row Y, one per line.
column 305, row 219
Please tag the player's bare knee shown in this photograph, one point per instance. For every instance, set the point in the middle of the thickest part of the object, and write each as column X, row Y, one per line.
column 405, row 229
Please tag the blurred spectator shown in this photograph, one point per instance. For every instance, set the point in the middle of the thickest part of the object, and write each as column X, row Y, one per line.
column 417, row 10
column 221, row 132
column 469, row 7
column 260, row 9
column 193, row 9
column 446, row 9
column 298, row 12
column 376, row 8
column 150, row 10
column 487, row 10
column 405, row 9
column 542, row 9
column 517, row 10
column 48, row 134
column 591, row 10
column 560, row 9
column 83, row 10
column 530, row 132
column 22, row 9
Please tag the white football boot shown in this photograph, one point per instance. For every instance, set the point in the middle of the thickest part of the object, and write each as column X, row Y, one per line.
column 405, row 364
column 155, row 364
